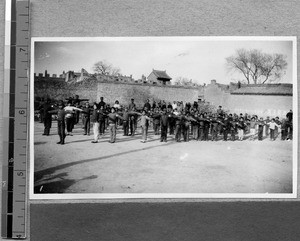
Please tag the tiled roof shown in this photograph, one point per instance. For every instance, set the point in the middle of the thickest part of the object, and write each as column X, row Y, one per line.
column 265, row 89
column 161, row 74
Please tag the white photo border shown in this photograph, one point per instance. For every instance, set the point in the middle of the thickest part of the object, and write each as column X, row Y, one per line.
column 116, row 196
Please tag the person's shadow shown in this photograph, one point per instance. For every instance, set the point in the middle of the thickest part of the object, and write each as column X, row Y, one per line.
column 48, row 185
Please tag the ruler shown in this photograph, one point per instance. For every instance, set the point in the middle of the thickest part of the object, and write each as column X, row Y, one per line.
column 16, row 79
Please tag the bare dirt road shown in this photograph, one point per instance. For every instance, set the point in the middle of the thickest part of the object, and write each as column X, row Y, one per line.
column 129, row 166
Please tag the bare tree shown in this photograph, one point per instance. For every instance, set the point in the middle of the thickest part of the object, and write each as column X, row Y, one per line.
column 257, row 67
column 106, row 68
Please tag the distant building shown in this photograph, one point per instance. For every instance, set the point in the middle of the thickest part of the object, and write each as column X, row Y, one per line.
column 76, row 76
column 159, row 77
column 47, row 77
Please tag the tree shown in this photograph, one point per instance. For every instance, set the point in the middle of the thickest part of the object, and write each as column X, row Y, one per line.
column 182, row 81
column 256, row 66
column 106, row 68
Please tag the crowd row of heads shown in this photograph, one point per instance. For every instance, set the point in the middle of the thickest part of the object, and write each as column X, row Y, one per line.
column 191, row 111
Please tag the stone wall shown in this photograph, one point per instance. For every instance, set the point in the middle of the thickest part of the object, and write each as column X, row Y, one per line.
column 215, row 94
column 112, row 91
column 60, row 90
column 261, row 105
column 122, row 92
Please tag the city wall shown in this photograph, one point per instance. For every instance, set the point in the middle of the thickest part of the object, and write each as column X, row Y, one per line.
column 215, row 94
column 112, row 91
column 124, row 92
column 261, row 105
column 60, row 90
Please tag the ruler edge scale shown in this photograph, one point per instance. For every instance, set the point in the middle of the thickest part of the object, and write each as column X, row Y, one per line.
column 6, row 88
column 15, row 39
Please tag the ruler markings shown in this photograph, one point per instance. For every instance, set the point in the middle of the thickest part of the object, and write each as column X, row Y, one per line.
column 16, row 57
column 5, row 228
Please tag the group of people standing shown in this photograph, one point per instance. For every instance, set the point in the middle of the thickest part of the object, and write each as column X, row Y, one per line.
column 185, row 122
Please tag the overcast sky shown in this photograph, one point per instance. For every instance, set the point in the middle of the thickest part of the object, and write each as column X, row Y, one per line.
column 197, row 59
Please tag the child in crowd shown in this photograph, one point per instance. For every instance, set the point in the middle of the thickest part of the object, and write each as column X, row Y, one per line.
column 171, row 121
column 178, row 124
column 252, row 128
column 126, row 114
column 133, row 122
column 126, row 117
column 233, row 127
column 226, row 125
column 201, row 127
column 112, row 122
column 186, row 126
column 272, row 126
column 144, row 118
column 261, row 125
column 267, row 122
column 284, row 129
column 195, row 126
column 205, row 126
column 214, row 128
column 95, row 121
column 102, row 119
column 277, row 128
column 70, row 112
column 156, row 121
column 241, row 128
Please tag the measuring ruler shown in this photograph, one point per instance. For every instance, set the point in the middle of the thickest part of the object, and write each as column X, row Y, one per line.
column 15, row 129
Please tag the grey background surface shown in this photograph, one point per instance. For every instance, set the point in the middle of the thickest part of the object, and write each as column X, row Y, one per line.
column 201, row 219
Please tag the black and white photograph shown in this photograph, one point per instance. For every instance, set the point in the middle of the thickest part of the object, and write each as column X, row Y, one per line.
column 163, row 117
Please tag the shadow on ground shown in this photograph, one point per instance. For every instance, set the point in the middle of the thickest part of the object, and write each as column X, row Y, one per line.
column 58, row 186
column 39, row 175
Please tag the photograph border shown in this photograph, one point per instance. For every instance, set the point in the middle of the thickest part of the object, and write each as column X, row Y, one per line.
column 33, row 196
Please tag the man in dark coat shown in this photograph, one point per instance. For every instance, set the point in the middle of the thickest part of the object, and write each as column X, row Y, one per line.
column 47, row 117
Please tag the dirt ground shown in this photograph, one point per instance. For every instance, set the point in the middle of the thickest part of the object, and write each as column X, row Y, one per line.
column 129, row 166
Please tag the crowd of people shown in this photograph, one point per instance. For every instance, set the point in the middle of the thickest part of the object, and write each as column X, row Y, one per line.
column 183, row 122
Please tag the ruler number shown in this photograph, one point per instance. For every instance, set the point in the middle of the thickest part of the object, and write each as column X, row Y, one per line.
column 20, row 174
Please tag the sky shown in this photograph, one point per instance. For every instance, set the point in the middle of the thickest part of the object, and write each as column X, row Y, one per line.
column 199, row 59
